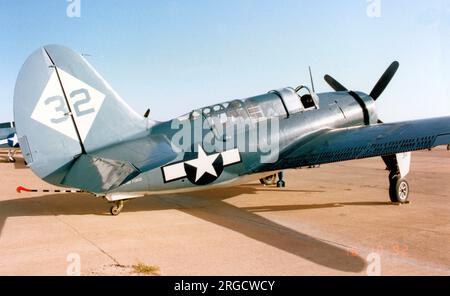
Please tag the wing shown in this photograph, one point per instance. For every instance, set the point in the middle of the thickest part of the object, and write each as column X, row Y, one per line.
column 362, row 142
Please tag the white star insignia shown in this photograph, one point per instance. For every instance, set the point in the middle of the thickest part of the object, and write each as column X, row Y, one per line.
column 203, row 163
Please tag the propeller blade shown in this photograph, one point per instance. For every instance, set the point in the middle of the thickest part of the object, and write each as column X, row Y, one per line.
column 334, row 83
column 384, row 80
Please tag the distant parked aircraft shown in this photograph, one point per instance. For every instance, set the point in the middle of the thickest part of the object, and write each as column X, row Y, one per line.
column 8, row 139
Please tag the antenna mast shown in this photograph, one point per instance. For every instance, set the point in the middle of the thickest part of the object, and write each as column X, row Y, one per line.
column 312, row 80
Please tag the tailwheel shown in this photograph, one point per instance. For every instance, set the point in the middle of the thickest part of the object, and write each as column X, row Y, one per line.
column 11, row 159
column 268, row 181
column 116, row 208
column 398, row 190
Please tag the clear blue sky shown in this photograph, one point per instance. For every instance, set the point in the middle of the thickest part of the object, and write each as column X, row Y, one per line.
column 174, row 56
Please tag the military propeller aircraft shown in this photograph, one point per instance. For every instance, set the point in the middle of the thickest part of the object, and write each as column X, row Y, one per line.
column 8, row 139
column 76, row 131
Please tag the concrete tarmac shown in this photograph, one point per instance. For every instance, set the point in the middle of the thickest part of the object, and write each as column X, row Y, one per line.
column 333, row 220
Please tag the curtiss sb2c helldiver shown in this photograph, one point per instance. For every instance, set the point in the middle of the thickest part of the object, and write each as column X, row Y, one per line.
column 76, row 131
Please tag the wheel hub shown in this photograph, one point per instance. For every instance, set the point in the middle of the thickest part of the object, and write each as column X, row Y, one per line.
column 403, row 190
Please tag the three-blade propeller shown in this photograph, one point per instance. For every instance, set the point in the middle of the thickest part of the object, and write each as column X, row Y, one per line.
column 379, row 87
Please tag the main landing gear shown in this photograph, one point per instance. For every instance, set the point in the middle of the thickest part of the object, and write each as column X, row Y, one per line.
column 398, row 166
column 272, row 180
column 117, row 208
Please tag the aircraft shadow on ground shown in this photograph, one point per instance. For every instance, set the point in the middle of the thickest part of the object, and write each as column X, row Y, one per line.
column 209, row 206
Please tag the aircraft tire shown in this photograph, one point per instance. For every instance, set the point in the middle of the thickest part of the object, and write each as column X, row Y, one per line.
column 399, row 190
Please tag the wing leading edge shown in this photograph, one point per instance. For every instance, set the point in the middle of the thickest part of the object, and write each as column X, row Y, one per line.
column 363, row 142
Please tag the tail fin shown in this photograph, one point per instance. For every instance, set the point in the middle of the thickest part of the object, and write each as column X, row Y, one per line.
column 64, row 110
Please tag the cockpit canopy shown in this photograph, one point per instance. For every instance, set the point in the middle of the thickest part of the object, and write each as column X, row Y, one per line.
column 229, row 110
column 282, row 103
column 296, row 100
column 278, row 103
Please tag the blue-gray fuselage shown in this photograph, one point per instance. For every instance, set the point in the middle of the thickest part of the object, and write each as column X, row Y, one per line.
column 333, row 111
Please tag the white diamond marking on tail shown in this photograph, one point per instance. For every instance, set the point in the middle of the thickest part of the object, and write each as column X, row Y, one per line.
column 85, row 102
column 51, row 109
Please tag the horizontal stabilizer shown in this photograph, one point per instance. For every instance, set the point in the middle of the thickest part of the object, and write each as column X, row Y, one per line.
column 95, row 174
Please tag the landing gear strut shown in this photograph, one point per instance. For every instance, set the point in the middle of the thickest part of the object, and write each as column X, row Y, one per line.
column 117, row 208
column 281, row 183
